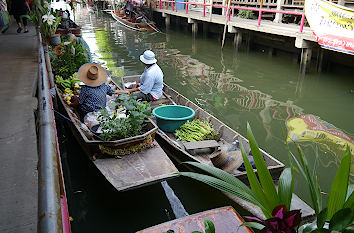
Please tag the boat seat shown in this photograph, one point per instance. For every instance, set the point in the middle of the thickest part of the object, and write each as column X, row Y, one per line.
column 206, row 144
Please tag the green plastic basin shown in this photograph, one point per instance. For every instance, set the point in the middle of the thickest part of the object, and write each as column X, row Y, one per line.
column 171, row 117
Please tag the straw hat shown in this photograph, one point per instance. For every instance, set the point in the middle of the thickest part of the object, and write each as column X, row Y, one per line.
column 227, row 161
column 148, row 57
column 92, row 74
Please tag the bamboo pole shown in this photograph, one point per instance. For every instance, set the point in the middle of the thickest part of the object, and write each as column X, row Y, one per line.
column 226, row 19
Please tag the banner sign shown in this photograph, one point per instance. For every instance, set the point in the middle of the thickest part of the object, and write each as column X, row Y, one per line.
column 332, row 24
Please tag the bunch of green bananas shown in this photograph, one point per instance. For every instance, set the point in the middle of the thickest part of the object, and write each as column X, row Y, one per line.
column 74, row 79
column 62, row 83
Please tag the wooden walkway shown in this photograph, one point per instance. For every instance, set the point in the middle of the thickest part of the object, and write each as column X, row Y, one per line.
column 267, row 26
column 18, row 140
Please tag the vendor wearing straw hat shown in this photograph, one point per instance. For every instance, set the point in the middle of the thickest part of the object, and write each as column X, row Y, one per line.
column 92, row 96
column 151, row 81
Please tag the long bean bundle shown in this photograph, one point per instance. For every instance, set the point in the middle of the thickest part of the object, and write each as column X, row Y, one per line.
column 196, row 130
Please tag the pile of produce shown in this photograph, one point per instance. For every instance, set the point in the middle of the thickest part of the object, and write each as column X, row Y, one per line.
column 196, row 130
column 115, row 127
column 69, row 86
column 66, row 59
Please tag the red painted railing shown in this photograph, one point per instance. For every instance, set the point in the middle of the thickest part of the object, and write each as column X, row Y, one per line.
column 259, row 10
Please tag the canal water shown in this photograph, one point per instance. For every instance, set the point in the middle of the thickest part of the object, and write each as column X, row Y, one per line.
column 268, row 92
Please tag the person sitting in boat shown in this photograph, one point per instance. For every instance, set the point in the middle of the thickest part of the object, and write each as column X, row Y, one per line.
column 92, row 96
column 149, row 87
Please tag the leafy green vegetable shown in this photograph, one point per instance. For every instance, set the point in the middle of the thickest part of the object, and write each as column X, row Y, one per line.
column 196, row 130
column 136, row 112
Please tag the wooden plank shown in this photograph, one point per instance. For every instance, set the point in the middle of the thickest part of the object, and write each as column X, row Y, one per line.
column 201, row 144
column 225, row 219
column 138, row 169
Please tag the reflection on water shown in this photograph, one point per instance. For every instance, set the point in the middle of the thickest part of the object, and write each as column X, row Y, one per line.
column 236, row 88
column 310, row 128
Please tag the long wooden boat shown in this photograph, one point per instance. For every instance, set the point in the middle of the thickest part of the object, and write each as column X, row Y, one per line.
column 132, row 171
column 143, row 26
column 179, row 153
column 225, row 219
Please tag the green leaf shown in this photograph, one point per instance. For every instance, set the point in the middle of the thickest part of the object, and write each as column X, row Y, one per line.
column 286, row 186
column 349, row 203
column 321, row 230
column 341, row 219
column 338, row 191
column 313, row 186
column 225, row 187
column 255, row 186
column 209, row 226
column 254, row 225
column 349, row 229
column 308, row 227
column 196, row 232
column 321, row 218
column 263, row 173
column 222, row 175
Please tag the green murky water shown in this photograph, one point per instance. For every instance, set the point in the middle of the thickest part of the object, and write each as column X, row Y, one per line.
column 236, row 88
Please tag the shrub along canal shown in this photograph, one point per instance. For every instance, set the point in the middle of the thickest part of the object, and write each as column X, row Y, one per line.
column 238, row 88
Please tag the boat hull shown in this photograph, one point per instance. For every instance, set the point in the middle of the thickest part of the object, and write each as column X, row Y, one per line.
column 142, row 27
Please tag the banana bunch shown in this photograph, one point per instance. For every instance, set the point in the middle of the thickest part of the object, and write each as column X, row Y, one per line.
column 63, row 83
column 77, row 89
column 68, row 93
column 74, row 79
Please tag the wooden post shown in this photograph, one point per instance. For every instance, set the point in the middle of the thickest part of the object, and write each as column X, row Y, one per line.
column 248, row 41
column 238, row 40
column 167, row 21
column 195, row 29
column 306, row 54
column 205, row 29
column 321, row 60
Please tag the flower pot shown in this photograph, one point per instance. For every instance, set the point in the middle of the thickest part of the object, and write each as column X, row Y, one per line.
column 55, row 40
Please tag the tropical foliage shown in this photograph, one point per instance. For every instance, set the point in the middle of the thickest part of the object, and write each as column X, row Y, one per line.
column 46, row 20
column 246, row 14
column 340, row 204
column 337, row 216
column 263, row 192
column 66, row 59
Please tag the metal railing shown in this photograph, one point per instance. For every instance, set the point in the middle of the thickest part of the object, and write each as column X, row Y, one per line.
column 259, row 10
column 53, row 214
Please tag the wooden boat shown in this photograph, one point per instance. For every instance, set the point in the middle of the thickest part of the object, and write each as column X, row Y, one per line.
column 225, row 219
column 142, row 25
column 179, row 153
column 132, row 171
column 70, row 27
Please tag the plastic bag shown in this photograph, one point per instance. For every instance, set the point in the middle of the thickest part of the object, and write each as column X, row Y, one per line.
column 91, row 121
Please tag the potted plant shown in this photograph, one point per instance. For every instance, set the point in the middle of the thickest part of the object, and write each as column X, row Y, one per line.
column 46, row 21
